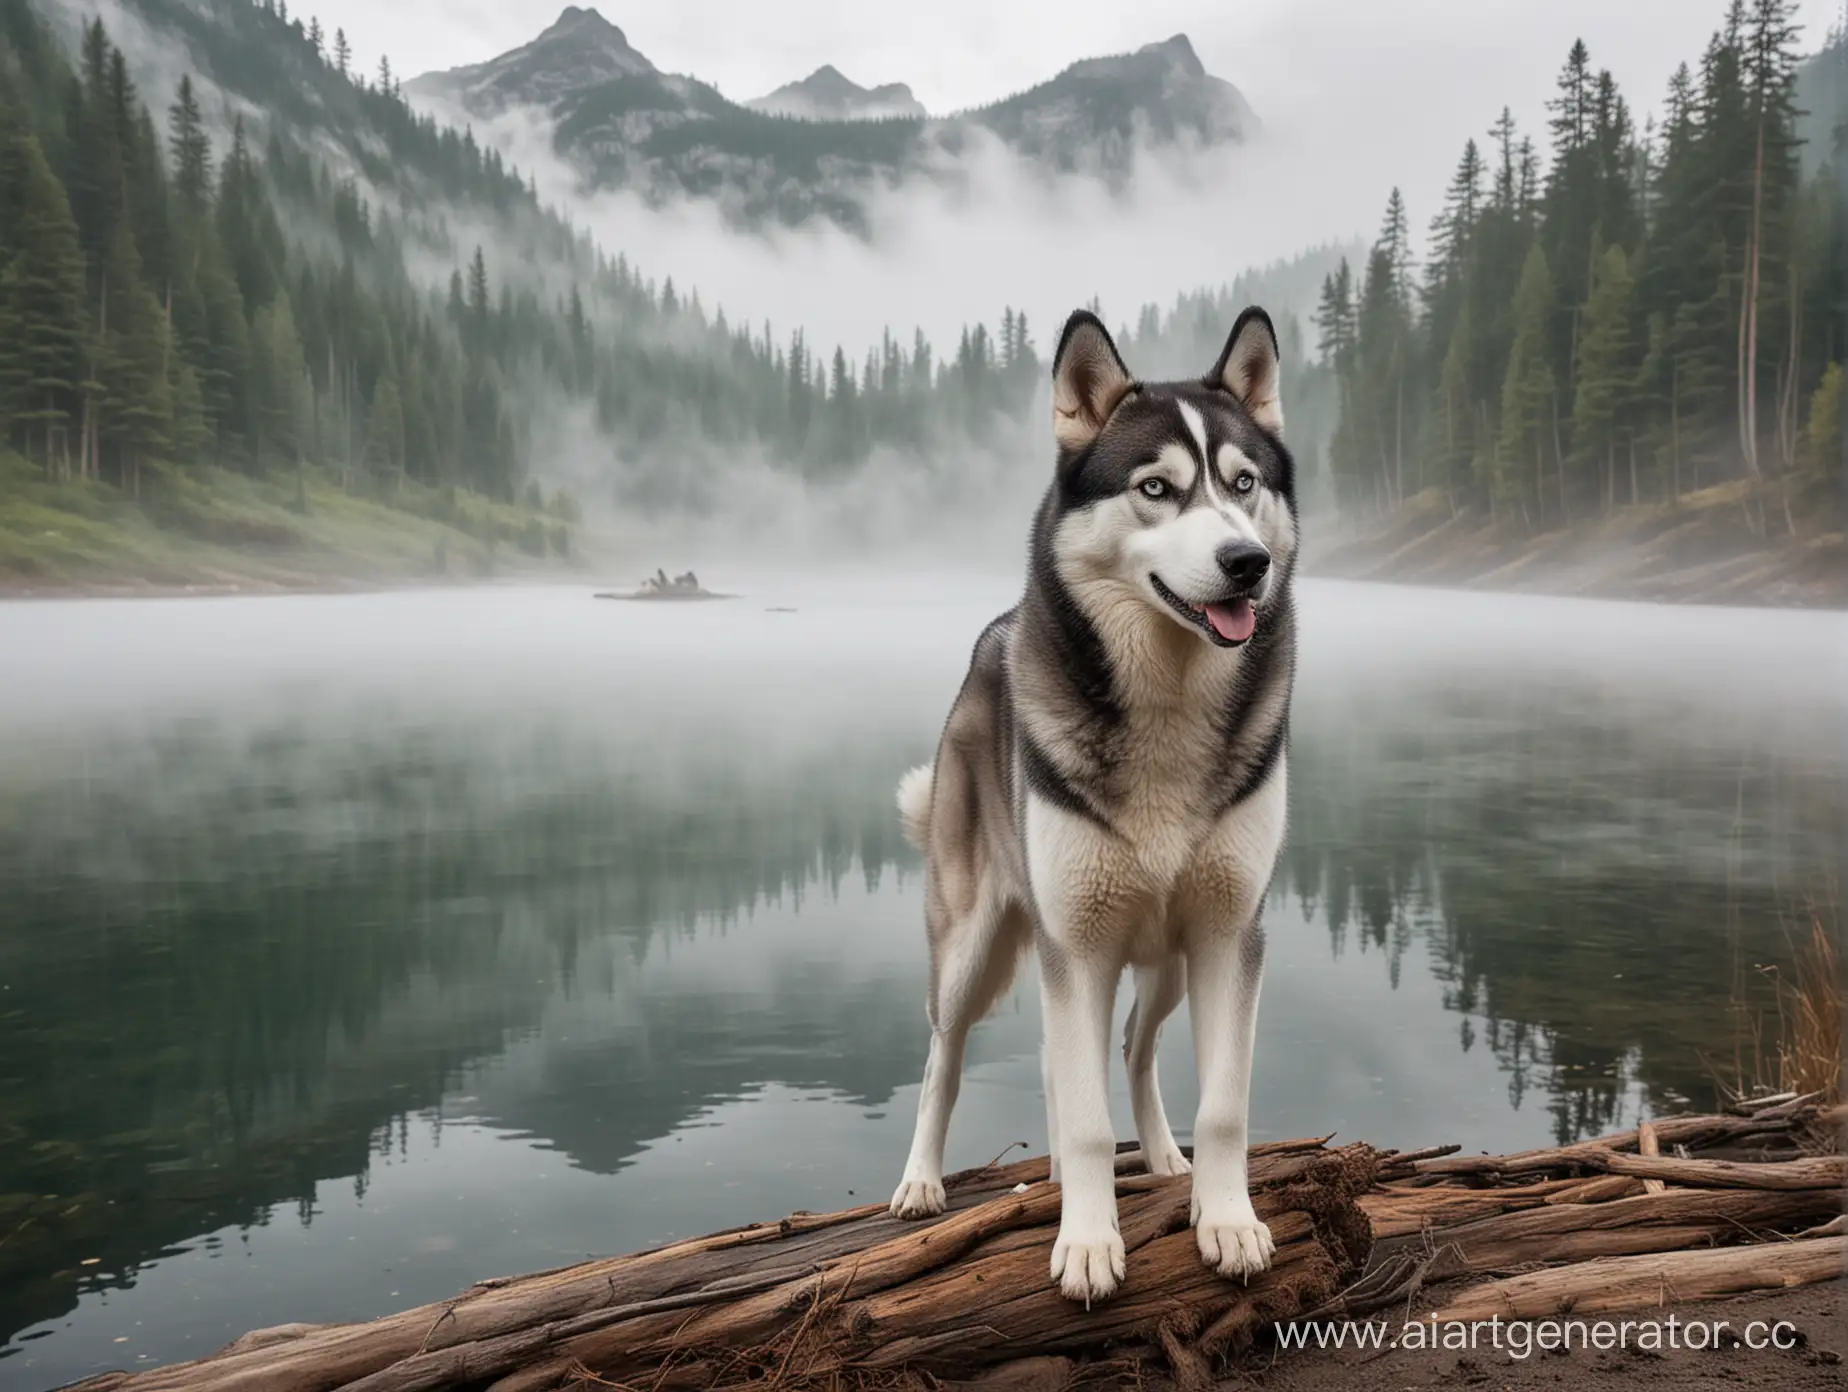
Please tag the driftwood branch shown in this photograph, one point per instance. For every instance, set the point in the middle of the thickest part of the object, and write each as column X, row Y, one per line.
column 1648, row 1143
column 1813, row 1172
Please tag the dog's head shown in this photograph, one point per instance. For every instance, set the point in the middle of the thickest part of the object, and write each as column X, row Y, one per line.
column 1179, row 495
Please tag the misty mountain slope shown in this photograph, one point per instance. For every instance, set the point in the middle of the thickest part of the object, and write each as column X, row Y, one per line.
column 580, row 51
column 1093, row 112
column 829, row 95
column 623, row 123
column 268, row 71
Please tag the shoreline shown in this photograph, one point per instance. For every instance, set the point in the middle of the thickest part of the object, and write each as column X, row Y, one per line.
column 257, row 588
column 1707, row 548
column 1703, row 551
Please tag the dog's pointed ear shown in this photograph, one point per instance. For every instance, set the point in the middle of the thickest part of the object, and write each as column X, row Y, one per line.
column 1088, row 380
column 1249, row 369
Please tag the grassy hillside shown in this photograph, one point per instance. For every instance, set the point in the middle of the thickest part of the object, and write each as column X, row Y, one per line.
column 210, row 530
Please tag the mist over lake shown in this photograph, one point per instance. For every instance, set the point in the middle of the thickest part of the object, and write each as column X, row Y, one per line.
column 361, row 947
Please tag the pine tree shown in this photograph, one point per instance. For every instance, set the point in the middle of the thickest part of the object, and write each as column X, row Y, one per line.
column 133, row 365
column 476, row 325
column 1586, row 116
column 1451, row 230
column 43, row 292
column 1614, row 158
column 96, row 180
column 247, row 226
column 1505, row 172
column 1382, row 399
column 1572, row 108
column 192, row 149
column 1335, row 317
column 1769, row 62
column 1606, row 376
column 1396, row 241
column 1527, row 392
column 343, row 52
column 1456, row 444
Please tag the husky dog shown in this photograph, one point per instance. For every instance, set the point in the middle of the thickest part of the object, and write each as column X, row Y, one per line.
column 1109, row 787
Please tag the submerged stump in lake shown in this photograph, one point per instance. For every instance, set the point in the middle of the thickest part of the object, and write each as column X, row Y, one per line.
column 859, row 1299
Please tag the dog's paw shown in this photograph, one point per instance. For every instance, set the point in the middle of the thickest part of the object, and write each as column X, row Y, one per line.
column 1088, row 1269
column 1166, row 1159
column 918, row 1198
column 1238, row 1245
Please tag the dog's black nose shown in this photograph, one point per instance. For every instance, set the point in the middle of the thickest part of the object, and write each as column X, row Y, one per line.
column 1244, row 562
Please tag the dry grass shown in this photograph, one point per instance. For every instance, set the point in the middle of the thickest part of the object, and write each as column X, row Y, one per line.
column 1798, row 1048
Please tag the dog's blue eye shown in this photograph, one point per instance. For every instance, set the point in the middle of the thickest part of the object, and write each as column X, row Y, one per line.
column 1245, row 482
column 1153, row 488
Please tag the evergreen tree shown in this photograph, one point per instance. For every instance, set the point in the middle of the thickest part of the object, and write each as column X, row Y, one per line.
column 1450, row 232
column 1527, row 401
column 42, row 290
column 192, row 150
column 134, row 361
column 1606, row 373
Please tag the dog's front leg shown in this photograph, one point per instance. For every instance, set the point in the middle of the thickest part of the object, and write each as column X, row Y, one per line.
column 1224, row 965
column 1077, row 992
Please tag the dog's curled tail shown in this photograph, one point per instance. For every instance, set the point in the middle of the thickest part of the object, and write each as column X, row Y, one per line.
column 914, row 791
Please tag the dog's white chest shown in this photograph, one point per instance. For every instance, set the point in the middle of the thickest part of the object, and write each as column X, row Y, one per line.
column 1132, row 889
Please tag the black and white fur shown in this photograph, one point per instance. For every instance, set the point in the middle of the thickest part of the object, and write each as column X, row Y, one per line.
column 1109, row 789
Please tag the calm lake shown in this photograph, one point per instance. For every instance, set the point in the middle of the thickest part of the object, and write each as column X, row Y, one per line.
column 355, row 948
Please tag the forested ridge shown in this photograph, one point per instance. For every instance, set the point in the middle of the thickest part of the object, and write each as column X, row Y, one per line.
column 1655, row 311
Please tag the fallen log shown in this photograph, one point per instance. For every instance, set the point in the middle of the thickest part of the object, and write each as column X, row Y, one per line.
column 1667, row 1222
column 858, row 1298
column 1640, row 1283
column 1534, row 1230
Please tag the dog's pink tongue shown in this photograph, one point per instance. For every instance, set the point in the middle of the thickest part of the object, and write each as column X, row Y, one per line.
column 1234, row 622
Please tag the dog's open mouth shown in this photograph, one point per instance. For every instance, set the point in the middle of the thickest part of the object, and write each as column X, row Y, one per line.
column 1228, row 622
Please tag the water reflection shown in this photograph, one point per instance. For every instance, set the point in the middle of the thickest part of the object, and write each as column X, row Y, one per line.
column 1594, row 892
column 255, row 938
